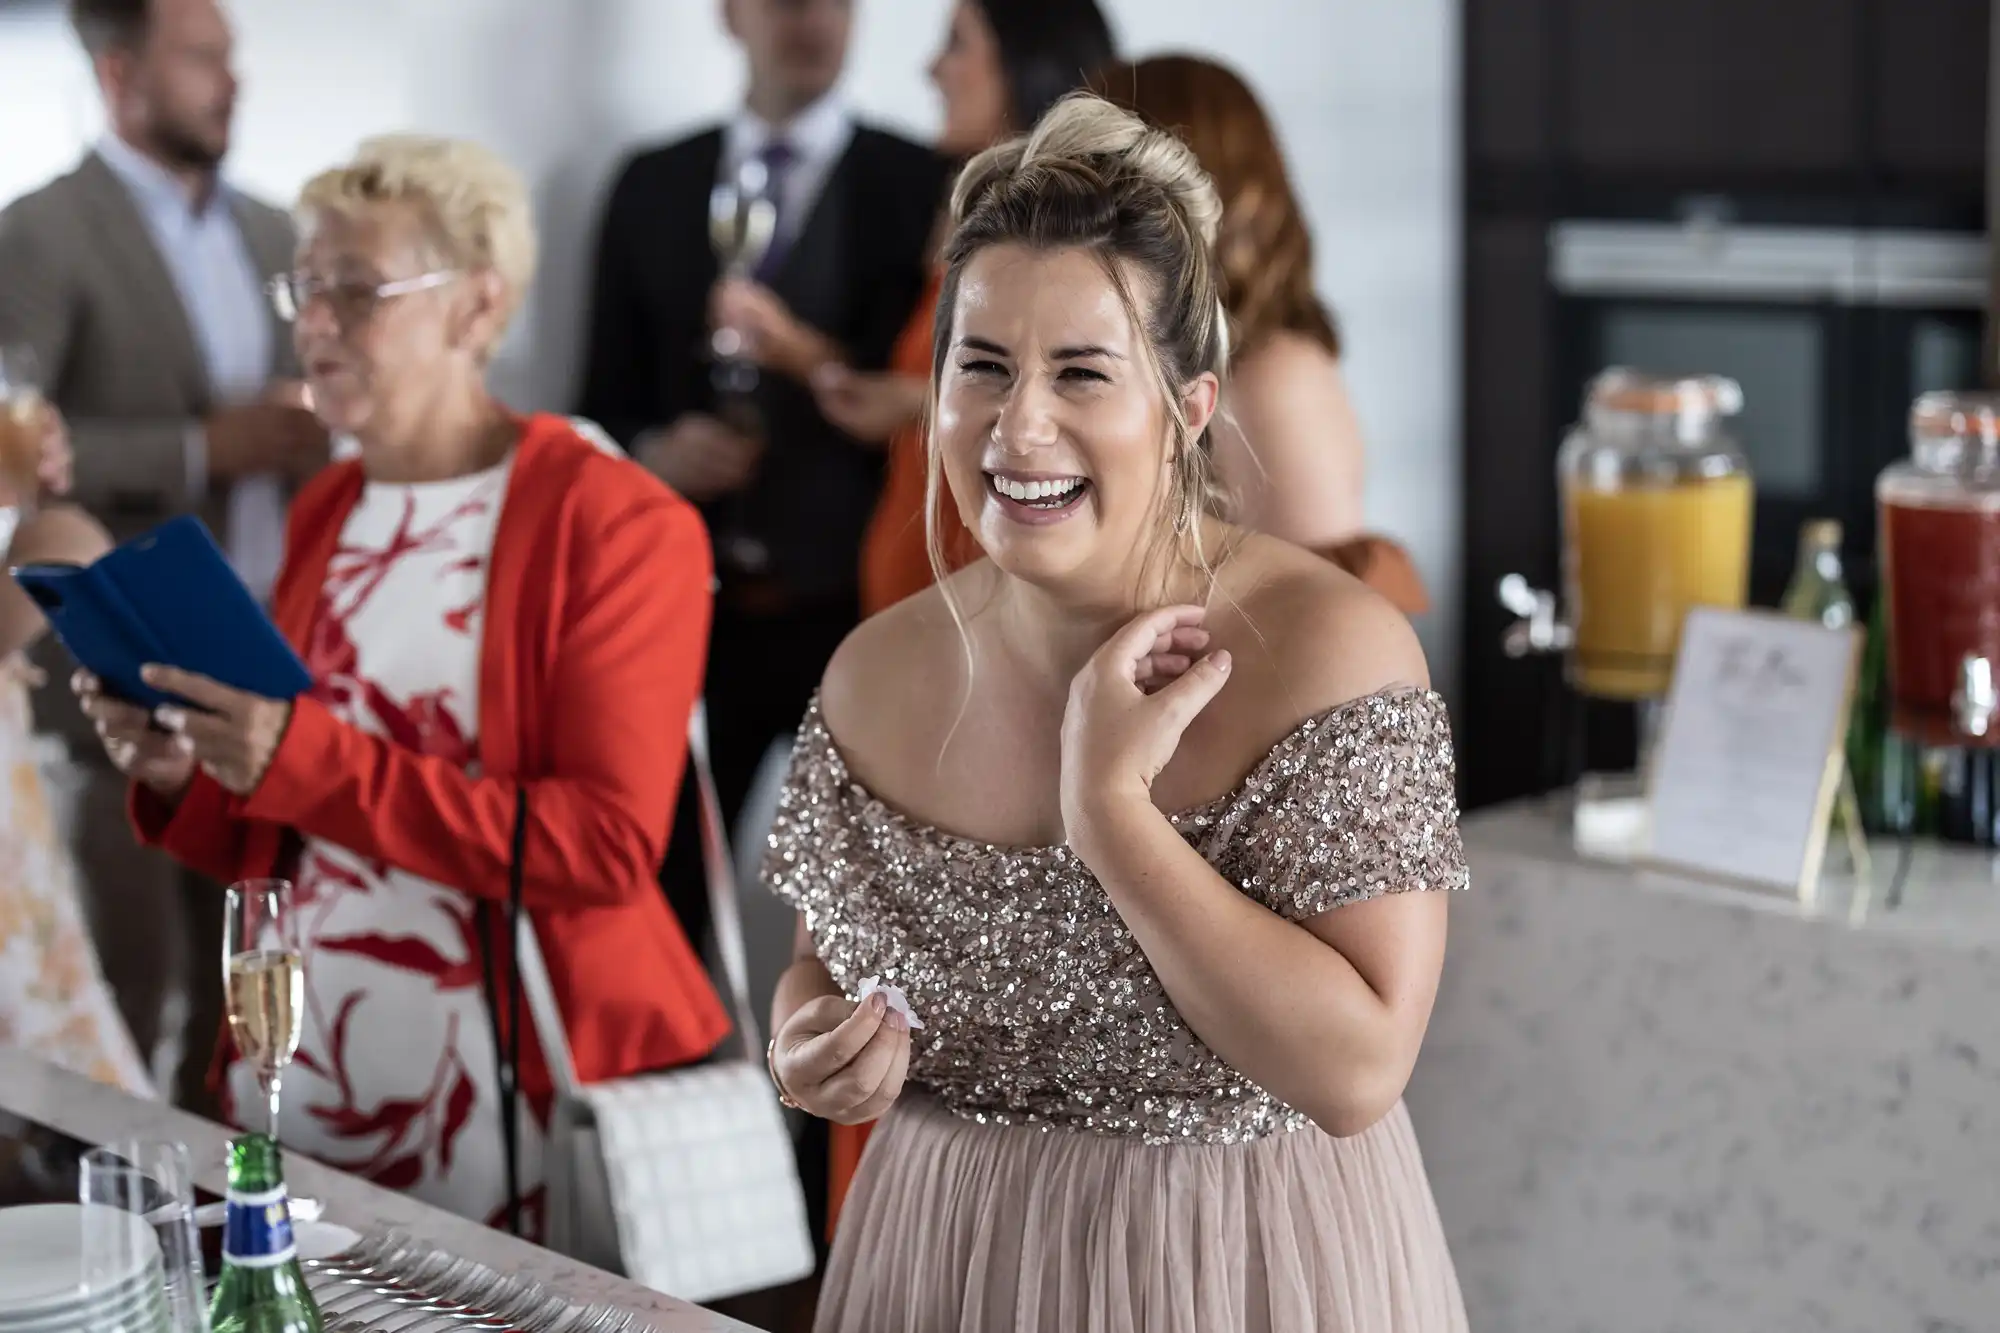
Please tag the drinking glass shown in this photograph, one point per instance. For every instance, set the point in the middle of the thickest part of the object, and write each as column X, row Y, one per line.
column 23, row 417
column 742, row 221
column 263, row 973
column 148, row 1179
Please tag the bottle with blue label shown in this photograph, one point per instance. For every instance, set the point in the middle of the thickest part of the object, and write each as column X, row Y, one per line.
column 262, row 1289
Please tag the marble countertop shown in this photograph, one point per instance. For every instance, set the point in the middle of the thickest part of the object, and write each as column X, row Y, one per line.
column 1651, row 1104
column 98, row 1114
column 1950, row 895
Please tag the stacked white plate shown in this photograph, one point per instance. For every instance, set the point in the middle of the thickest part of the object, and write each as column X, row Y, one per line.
column 51, row 1281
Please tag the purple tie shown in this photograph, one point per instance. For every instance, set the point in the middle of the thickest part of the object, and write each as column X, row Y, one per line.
column 778, row 159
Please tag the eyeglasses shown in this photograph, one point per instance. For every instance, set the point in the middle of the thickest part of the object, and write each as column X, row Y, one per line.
column 352, row 303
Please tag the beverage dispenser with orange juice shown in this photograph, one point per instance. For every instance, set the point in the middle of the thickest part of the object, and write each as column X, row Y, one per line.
column 1657, row 502
column 1656, row 505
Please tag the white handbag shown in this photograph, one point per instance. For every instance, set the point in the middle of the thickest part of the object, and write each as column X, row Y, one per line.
column 683, row 1180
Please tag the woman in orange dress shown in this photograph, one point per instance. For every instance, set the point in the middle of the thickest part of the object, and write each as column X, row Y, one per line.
column 895, row 554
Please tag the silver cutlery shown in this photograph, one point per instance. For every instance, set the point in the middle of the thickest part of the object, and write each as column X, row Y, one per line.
column 391, row 1283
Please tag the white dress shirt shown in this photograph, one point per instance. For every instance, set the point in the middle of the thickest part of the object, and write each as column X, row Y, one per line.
column 817, row 137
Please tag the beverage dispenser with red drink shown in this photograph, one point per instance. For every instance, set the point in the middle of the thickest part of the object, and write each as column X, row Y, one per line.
column 1940, row 550
column 1941, row 557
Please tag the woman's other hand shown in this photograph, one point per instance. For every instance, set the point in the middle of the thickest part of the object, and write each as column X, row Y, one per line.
column 868, row 406
column 842, row 1061
column 57, row 467
column 770, row 334
column 160, row 761
column 54, row 464
column 234, row 736
column 700, row 457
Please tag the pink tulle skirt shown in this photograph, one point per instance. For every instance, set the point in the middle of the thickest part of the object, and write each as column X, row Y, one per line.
column 954, row 1225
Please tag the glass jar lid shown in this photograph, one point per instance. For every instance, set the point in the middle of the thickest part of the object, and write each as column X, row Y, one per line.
column 1623, row 389
column 1678, row 407
column 1956, row 432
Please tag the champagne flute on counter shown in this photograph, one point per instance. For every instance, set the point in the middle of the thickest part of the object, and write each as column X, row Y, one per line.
column 265, row 980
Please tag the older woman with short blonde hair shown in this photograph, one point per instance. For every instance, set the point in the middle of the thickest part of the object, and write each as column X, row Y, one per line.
column 499, row 617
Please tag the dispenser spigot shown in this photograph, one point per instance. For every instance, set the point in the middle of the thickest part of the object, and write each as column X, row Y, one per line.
column 1538, row 631
column 1975, row 701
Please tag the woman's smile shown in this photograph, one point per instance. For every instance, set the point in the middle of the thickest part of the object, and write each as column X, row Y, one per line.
column 1035, row 498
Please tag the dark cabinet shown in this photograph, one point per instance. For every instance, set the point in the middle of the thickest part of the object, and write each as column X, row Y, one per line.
column 1728, row 86
column 1929, row 62
column 1507, row 89
column 1509, row 499
column 1718, row 94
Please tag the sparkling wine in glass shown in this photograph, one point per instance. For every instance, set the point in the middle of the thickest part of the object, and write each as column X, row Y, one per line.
column 23, row 419
column 742, row 221
column 264, row 972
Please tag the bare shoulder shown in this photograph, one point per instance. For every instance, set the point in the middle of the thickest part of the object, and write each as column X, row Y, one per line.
column 1308, row 635
column 1286, row 366
column 1303, row 636
column 892, row 683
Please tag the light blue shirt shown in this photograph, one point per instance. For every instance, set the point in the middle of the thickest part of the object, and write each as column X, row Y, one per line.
column 212, row 269
column 223, row 296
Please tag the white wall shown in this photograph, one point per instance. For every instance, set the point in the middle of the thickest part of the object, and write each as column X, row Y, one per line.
column 1363, row 92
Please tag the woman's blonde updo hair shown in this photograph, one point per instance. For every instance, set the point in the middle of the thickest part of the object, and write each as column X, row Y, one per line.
column 1094, row 177
column 474, row 204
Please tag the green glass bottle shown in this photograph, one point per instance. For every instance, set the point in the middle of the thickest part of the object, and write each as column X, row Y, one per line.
column 263, row 1289
column 1818, row 590
column 1897, row 782
column 1870, row 746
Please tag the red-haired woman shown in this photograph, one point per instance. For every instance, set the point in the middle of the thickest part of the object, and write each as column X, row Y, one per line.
column 1288, row 446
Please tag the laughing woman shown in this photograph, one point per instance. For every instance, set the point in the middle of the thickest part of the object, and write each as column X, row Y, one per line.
column 1159, row 1082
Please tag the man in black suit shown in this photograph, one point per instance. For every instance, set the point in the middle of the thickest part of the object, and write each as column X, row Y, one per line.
column 855, row 212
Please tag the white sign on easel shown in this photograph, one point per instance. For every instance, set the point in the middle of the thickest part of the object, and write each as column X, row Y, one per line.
column 1751, row 753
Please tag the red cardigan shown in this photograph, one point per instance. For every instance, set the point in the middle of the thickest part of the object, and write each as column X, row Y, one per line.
column 595, row 633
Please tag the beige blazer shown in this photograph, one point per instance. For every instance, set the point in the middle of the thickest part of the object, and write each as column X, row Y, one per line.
column 83, row 284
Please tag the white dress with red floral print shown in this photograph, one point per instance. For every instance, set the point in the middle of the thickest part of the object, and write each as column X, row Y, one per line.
column 395, row 1078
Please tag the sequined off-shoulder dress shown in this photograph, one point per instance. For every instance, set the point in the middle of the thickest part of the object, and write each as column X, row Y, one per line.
column 1067, row 1155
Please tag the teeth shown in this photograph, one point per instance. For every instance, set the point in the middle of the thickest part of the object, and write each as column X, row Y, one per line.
column 1033, row 491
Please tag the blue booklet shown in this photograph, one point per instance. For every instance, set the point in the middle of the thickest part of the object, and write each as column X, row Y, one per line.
column 167, row 596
